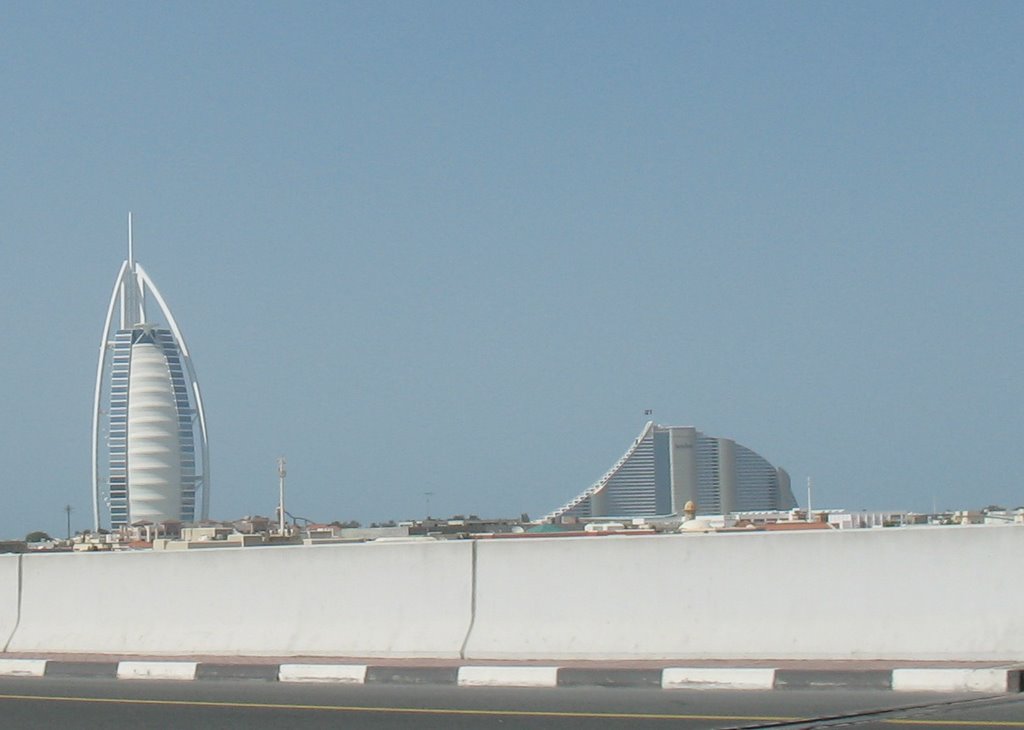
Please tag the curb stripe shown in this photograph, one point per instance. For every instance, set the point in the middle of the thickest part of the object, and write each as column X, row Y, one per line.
column 340, row 673
column 157, row 670
column 953, row 680
column 940, row 679
column 855, row 679
column 412, row 675
column 22, row 667
column 716, row 678
column 264, row 672
column 498, row 676
column 107, row 670
column 593, row 677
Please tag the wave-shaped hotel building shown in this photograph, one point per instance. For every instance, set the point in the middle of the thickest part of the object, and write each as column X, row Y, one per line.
column 150, row 455
column 668, row 466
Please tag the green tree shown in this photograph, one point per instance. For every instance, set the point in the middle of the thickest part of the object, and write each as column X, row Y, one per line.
column 37, row 536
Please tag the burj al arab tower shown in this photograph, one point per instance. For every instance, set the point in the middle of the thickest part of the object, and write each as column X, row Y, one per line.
column 150, row 456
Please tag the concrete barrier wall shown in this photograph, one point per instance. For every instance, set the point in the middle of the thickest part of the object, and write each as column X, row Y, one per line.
column 910, row 593
column 399, row 599
column 929, row 593
column 8, row 597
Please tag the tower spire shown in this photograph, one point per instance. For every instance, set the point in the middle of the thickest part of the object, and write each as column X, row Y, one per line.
column 133, row 305
column 131, row 252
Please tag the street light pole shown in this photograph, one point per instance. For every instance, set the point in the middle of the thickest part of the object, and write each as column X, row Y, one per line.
column 280, row 504
column 67, row 508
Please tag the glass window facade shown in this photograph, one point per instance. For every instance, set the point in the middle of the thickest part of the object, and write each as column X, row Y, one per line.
column 119, row 495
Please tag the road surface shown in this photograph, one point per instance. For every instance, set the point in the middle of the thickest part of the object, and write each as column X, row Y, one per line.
column 84, row 703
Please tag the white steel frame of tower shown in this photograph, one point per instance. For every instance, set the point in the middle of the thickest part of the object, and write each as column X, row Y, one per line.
column 129, row 299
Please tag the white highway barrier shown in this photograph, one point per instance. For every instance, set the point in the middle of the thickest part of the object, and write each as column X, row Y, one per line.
column 931, row 593
column 408, row 599
column 8, row 597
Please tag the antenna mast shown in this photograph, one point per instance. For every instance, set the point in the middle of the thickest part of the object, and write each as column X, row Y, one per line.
column 133, row 304
column 131, row 251
column 281, row 472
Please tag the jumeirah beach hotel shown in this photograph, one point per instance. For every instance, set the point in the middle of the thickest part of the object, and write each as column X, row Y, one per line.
column 667, row 466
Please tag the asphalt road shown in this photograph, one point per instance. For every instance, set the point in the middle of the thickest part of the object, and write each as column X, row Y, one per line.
column 100, row 703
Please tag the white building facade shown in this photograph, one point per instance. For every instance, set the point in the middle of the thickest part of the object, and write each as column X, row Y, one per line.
column 668, row 466
column 150, row 455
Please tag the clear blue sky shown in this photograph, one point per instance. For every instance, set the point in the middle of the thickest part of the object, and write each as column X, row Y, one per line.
column 460, row 247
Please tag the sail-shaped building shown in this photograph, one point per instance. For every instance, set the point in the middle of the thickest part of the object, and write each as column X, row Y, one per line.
column 150, row 454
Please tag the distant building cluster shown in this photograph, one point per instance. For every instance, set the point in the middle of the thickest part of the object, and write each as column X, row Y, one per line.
column 249, row 532
column 252, row 531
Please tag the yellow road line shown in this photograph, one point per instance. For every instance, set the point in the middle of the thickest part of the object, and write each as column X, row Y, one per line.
column 958, row 723
column 483, row 712
column 400, row 710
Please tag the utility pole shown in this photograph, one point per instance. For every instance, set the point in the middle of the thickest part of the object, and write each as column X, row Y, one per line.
column 281, row 472
column 67, row 508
